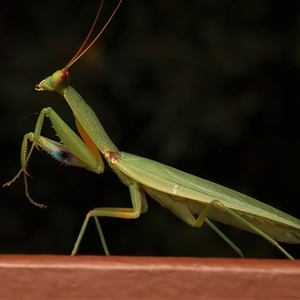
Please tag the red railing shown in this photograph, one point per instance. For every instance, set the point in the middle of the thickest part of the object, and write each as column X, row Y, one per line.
column 91, row 277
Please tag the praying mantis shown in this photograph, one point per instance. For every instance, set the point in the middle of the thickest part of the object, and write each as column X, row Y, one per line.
column 185, row 195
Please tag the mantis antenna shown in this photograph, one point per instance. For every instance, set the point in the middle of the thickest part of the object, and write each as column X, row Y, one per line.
column 81, row 50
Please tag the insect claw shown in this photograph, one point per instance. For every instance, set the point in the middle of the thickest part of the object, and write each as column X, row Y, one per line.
column 38, row 204
column 25, row 171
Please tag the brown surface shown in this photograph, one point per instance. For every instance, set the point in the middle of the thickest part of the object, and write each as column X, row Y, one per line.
column 90, row 277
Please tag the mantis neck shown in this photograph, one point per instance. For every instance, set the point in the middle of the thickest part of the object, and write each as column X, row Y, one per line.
column 89, row 121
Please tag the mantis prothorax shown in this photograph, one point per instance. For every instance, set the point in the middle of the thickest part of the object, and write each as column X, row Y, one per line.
column 194, row 200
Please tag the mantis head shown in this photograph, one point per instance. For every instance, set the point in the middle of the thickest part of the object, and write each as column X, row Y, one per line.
column 57, row 82
column 60, row 80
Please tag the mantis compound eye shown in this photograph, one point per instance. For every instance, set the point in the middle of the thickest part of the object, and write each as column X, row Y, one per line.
column 60, row 79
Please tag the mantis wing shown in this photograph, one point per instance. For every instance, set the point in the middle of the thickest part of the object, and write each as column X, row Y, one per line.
column 178, row 183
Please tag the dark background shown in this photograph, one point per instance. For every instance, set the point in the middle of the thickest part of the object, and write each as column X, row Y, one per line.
column 209, row 87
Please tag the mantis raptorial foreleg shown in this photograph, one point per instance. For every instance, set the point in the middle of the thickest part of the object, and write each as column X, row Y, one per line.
column 81, row 155
column 60, row 152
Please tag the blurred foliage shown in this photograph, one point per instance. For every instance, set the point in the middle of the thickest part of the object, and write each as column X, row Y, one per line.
column 209, row 87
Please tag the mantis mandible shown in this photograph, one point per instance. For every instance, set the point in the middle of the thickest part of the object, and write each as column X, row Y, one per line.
column 194, row 200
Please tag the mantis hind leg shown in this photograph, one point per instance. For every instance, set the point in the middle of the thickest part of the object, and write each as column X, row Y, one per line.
column 224, row 237
column 183, row 209
column 217, row 205
column 179, row 207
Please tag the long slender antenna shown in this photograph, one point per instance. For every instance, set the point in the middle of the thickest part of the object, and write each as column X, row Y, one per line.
column 81, row 52
column 87, row 37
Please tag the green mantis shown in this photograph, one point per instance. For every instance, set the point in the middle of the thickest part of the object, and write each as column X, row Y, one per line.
column 192, row 199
